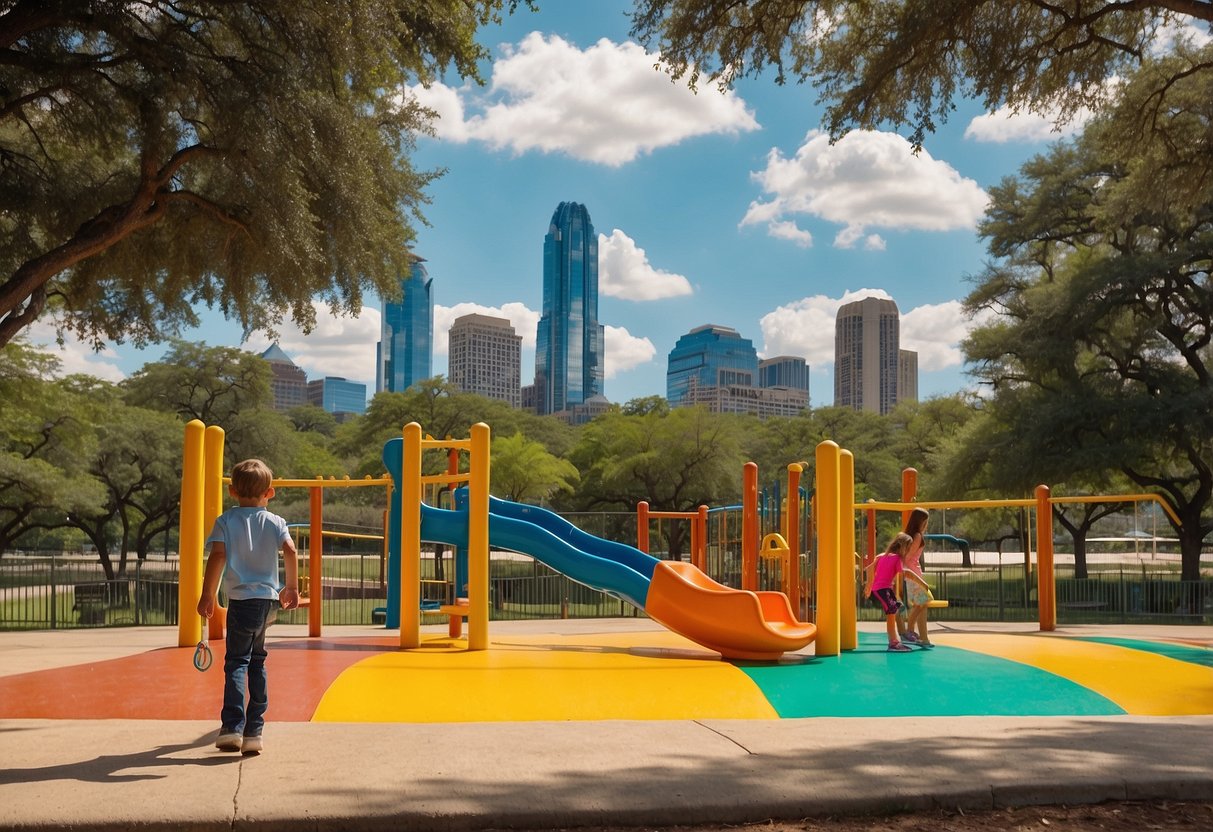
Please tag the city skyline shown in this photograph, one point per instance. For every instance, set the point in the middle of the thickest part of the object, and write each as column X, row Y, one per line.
column 728, row 209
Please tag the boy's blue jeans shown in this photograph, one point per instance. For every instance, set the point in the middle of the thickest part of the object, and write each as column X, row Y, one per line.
column 244, row 666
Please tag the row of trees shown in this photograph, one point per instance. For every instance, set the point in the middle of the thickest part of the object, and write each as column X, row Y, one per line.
column 103, row 459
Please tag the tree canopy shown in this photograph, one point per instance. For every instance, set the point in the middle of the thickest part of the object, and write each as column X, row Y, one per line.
column 905, row 62
column 1098, row 350
column 160, row 156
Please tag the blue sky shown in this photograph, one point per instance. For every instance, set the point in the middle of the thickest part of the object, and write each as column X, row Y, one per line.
column 723, row 209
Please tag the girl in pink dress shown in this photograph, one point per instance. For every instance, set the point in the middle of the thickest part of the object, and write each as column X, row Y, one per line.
column 918, row 596
column 882, row 577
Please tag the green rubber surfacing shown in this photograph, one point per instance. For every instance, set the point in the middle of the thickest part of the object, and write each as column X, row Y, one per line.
column 1179, row 652
column 946, row 681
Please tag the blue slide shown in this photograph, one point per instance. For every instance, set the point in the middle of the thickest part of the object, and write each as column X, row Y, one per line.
column 613, row 568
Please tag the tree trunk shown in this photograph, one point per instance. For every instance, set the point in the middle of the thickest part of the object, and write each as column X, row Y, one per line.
column 1191, row 540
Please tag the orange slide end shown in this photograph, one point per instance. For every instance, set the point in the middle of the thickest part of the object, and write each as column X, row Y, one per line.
column 736, row 623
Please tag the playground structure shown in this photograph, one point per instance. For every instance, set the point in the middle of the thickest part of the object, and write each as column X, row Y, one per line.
column 736, row 622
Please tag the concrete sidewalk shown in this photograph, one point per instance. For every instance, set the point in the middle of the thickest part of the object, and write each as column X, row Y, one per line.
column 152, row 774
column 167, row 775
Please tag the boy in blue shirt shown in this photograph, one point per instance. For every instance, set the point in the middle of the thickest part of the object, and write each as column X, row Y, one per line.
column 246, row 540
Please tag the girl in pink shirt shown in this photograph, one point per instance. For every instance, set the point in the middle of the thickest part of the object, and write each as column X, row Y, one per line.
column 882, row 577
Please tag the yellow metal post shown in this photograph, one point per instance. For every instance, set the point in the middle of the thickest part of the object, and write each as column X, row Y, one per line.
column 847, row 615
column 410, row 538
column 827, row 548
column 478, row 538
column 189, row 546
column 212, row 506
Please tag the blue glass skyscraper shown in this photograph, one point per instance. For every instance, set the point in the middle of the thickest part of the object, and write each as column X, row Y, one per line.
column 405, row 353
column 709, row 356
column 569, row 342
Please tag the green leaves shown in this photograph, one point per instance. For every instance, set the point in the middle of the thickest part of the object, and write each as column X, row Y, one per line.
column 248, row 156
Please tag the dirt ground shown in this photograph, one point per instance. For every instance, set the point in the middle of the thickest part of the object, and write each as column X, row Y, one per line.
column 1133, row 816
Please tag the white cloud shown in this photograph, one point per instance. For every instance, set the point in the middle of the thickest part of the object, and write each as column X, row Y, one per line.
column 524, row 320
column 935, row 331
column 338, row 346
column 874, row 242
column 446, row 102
column 625, row 272
column 1004, row 125
column 868, row 179
column 806, row 328
column 625, row 351
column 788, row 230
column 596, row 104
column 74, row 355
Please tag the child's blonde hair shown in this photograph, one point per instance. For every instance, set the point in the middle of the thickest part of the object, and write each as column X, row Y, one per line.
column 900, row 544
column 251, row 478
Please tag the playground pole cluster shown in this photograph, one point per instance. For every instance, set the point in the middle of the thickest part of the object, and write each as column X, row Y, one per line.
column 411, row 487
column 202, row 490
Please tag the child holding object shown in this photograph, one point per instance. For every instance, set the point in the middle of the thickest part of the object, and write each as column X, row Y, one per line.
column 246, row 540
column 881, row 578
column 918, row 597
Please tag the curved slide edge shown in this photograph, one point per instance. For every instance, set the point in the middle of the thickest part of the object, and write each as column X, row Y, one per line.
column 554, row 524
column 736, row 623
column 605, row 575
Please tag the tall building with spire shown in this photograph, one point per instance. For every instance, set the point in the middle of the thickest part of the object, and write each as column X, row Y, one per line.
column 288, row 382
column 405, row 352
column 569, row 344
column 871, row 371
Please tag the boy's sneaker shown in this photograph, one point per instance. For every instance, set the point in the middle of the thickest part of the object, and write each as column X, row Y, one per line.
column 251, row 744
column 898, row 647
column 910, row 637
column 927, row 645
column 229, row 741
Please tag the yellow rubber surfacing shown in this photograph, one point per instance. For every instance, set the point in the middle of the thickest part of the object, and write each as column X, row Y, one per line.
column 1142, row 683
column 524, row 678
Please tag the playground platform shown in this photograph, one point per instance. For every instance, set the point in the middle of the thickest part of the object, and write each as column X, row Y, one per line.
column 364, row 736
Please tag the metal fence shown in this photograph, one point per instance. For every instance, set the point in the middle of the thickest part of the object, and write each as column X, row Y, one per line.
column 59, row 592
column 54, row 592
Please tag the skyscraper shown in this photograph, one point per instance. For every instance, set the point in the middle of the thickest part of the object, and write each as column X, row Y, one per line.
column 405, row 352
column 288, row 382
column 486, row 358
column 337, row 395
column 569, row 343
column 788, row 372
column 868, row 357
column 709, row 356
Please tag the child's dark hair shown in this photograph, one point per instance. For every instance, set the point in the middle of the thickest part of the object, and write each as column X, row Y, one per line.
column 900, row 544
column 251, row 478
column 917, row 521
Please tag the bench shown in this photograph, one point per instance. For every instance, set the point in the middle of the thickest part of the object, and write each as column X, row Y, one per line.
column 92, row 600
column 1083, row 605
